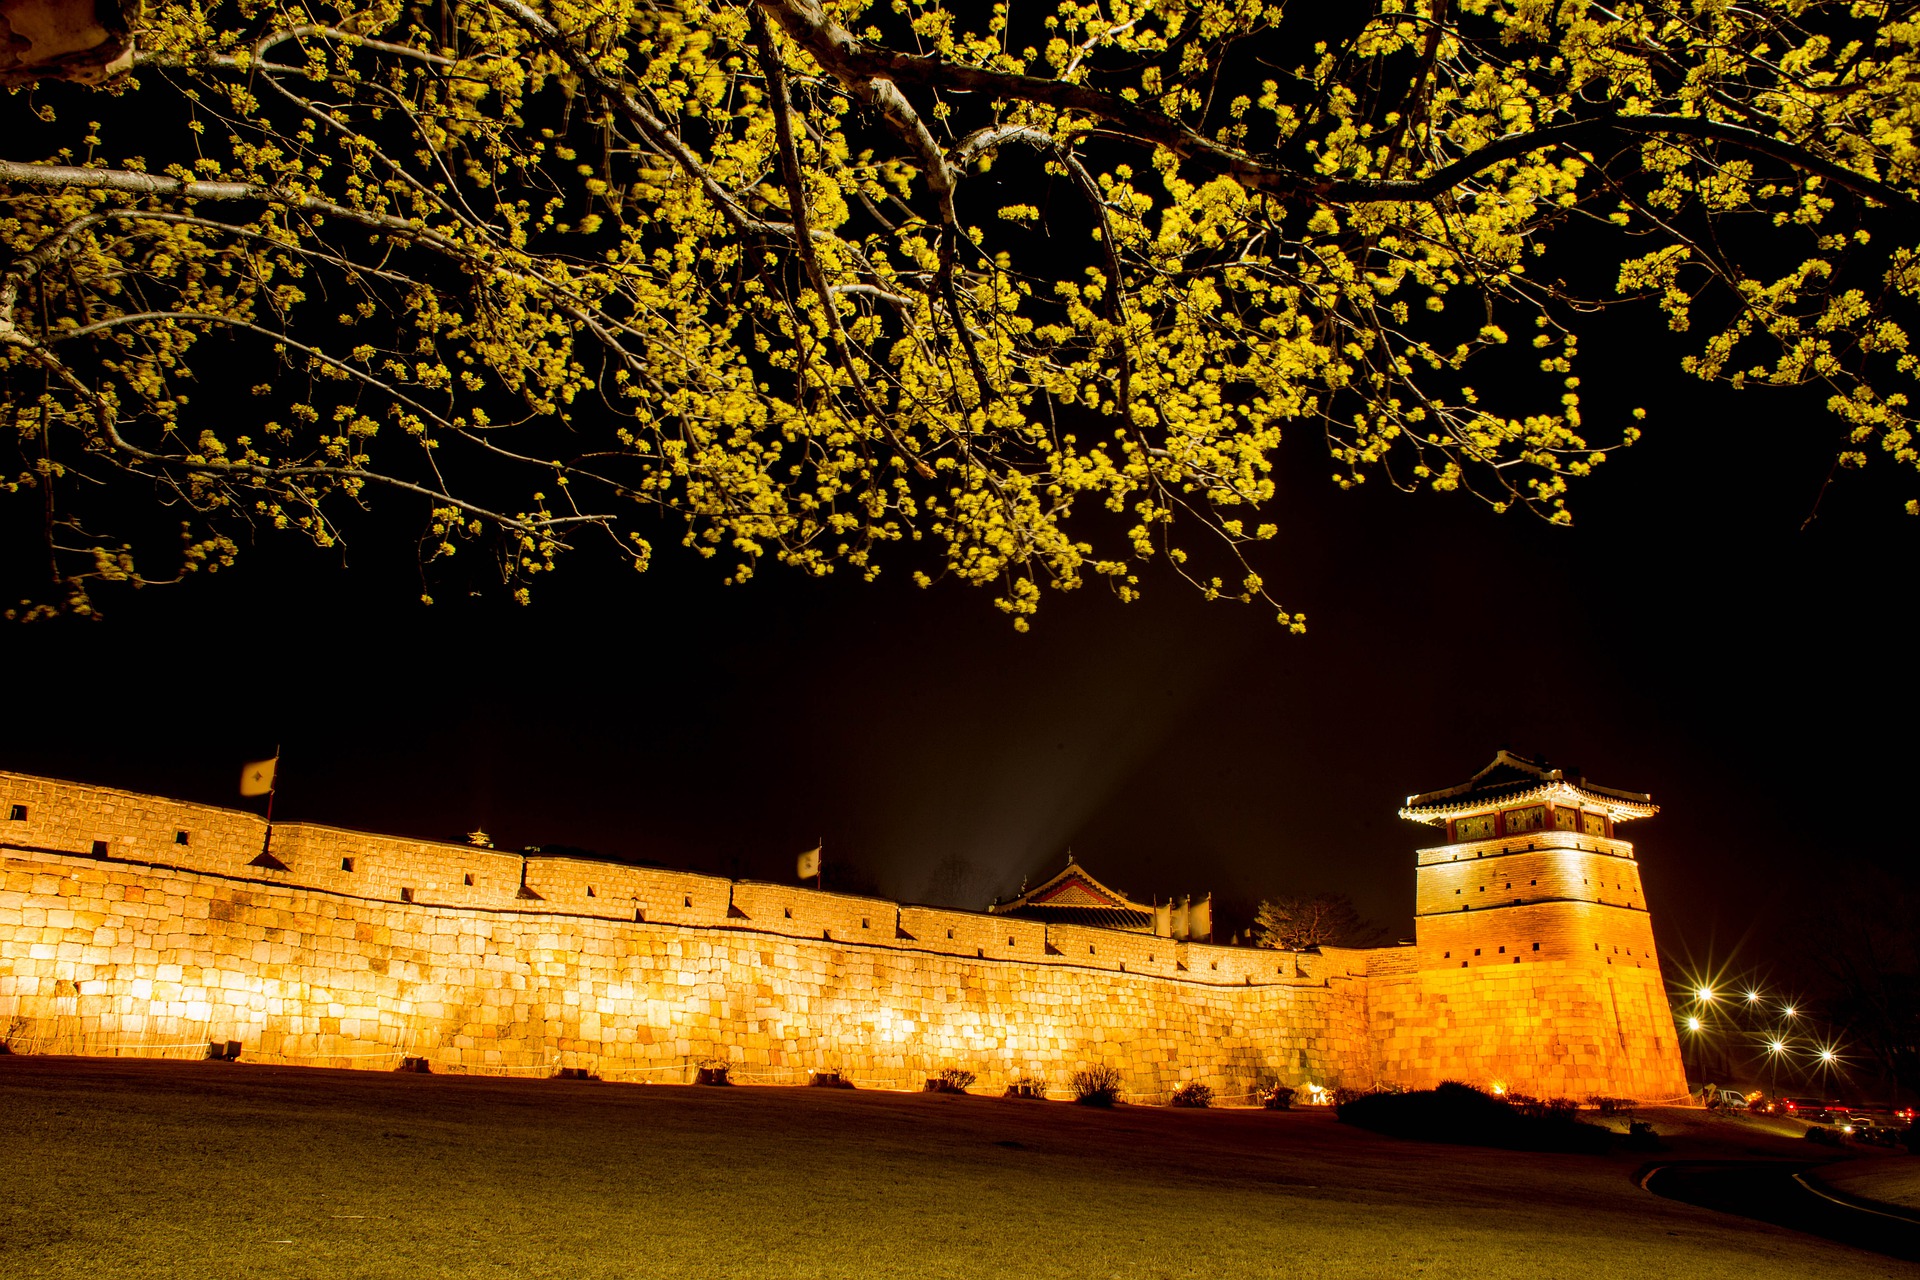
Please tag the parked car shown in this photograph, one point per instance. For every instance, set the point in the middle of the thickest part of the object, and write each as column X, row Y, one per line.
column 1732, row 1100
column 1803, row 1108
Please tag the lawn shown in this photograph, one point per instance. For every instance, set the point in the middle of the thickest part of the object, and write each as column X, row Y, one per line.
column 172, row 1169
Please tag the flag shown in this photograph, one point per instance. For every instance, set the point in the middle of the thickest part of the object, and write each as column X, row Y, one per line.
column 256, row 779
column 809, row 864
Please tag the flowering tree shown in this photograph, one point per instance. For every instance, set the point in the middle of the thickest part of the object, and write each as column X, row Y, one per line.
column 1031, row 290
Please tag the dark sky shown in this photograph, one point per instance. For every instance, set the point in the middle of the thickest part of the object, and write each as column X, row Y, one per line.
column 1687, row 638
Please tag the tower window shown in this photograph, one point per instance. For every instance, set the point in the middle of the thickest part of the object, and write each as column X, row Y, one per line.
column 1446, row 955
column 789, row 916
column 863, row 925
column 1476, row 951
column 1536, row 946
column 687, row 901
column 406, row 895
column 591, row 893
column 346, row 864
column 949, row 933
column 99, row 848
column 1533, row 882
column 179, row 837
column 467, row 879
column 1503, row 951
column 18, row 813
column 1456, row 893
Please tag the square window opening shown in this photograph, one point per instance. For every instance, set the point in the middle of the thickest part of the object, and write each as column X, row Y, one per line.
column 99, row 848
column 467, row 879
column 18, row 813
column 179, row 837
column 346, row 864
column 406, row 895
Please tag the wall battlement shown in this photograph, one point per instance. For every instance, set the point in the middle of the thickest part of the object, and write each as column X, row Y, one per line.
column 135, row 924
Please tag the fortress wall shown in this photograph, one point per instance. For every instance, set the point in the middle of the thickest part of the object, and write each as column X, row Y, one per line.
column 1546, row 1028
column 164, row 944
column 1540, row 873
column 1577, row 932
column 98, row 956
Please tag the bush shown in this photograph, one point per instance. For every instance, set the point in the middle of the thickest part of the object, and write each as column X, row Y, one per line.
column 1096, row 1086
column 950, row 1080
column 1192, row 1094
column 1027, row 1087
column 1611, row 1106
column 1460, row 1113
column 1277, row 1097
column 1641, row 1137
column 712, row 1071
column 828, row 1080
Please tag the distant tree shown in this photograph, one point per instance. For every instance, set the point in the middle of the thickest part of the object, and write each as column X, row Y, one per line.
column 1019, row 295
column 1291, row 922
column 1864, row 943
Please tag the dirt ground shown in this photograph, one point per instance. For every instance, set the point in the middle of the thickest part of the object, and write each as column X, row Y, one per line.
column 118, row 1167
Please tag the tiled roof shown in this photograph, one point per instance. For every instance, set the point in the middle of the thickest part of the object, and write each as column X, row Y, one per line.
column 1512, row 778
column 1074, row 897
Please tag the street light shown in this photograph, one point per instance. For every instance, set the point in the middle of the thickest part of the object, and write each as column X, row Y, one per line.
column 1791, row 1012
column 1705, row 993
column 1693, row 1024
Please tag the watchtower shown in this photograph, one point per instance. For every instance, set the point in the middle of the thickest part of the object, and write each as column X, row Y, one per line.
column 1532, row 870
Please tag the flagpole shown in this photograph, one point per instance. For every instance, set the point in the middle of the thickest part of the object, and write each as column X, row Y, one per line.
column 266, row 845
column 820, row 847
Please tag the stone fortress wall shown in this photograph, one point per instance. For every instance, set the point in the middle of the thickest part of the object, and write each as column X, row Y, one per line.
column 133, row 924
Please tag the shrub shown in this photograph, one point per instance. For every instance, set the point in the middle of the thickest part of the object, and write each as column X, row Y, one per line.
column 712, row 1071
column 1277, row 1097
column 575, row 1073
column 1460, row 1113
column 1027, row 1087
column 1611, row 1106
column 1096, row 1086
column 1542, row 1108
column 1641, row 1137
column 828, row 1080
column 1192, row 1094
column 950, row 1080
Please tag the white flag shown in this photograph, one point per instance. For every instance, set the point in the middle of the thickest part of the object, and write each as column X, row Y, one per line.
column 809, row 864
column 256, row 779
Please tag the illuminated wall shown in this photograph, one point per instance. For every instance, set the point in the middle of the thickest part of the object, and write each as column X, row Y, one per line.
column 130, row 924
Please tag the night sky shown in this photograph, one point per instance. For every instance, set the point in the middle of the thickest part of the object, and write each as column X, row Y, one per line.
column 1686, row 638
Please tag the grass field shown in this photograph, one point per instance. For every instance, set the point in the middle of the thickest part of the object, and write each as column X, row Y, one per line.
column 169, row 1169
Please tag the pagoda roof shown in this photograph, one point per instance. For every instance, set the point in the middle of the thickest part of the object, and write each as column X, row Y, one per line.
column 1511, row 779
column 1074, row 897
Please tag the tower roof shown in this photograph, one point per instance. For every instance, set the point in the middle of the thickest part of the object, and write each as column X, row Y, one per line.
column 1512, row 779
column 1074, row 897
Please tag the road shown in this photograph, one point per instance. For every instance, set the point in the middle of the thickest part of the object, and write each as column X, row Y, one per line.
column 1770, row 1191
